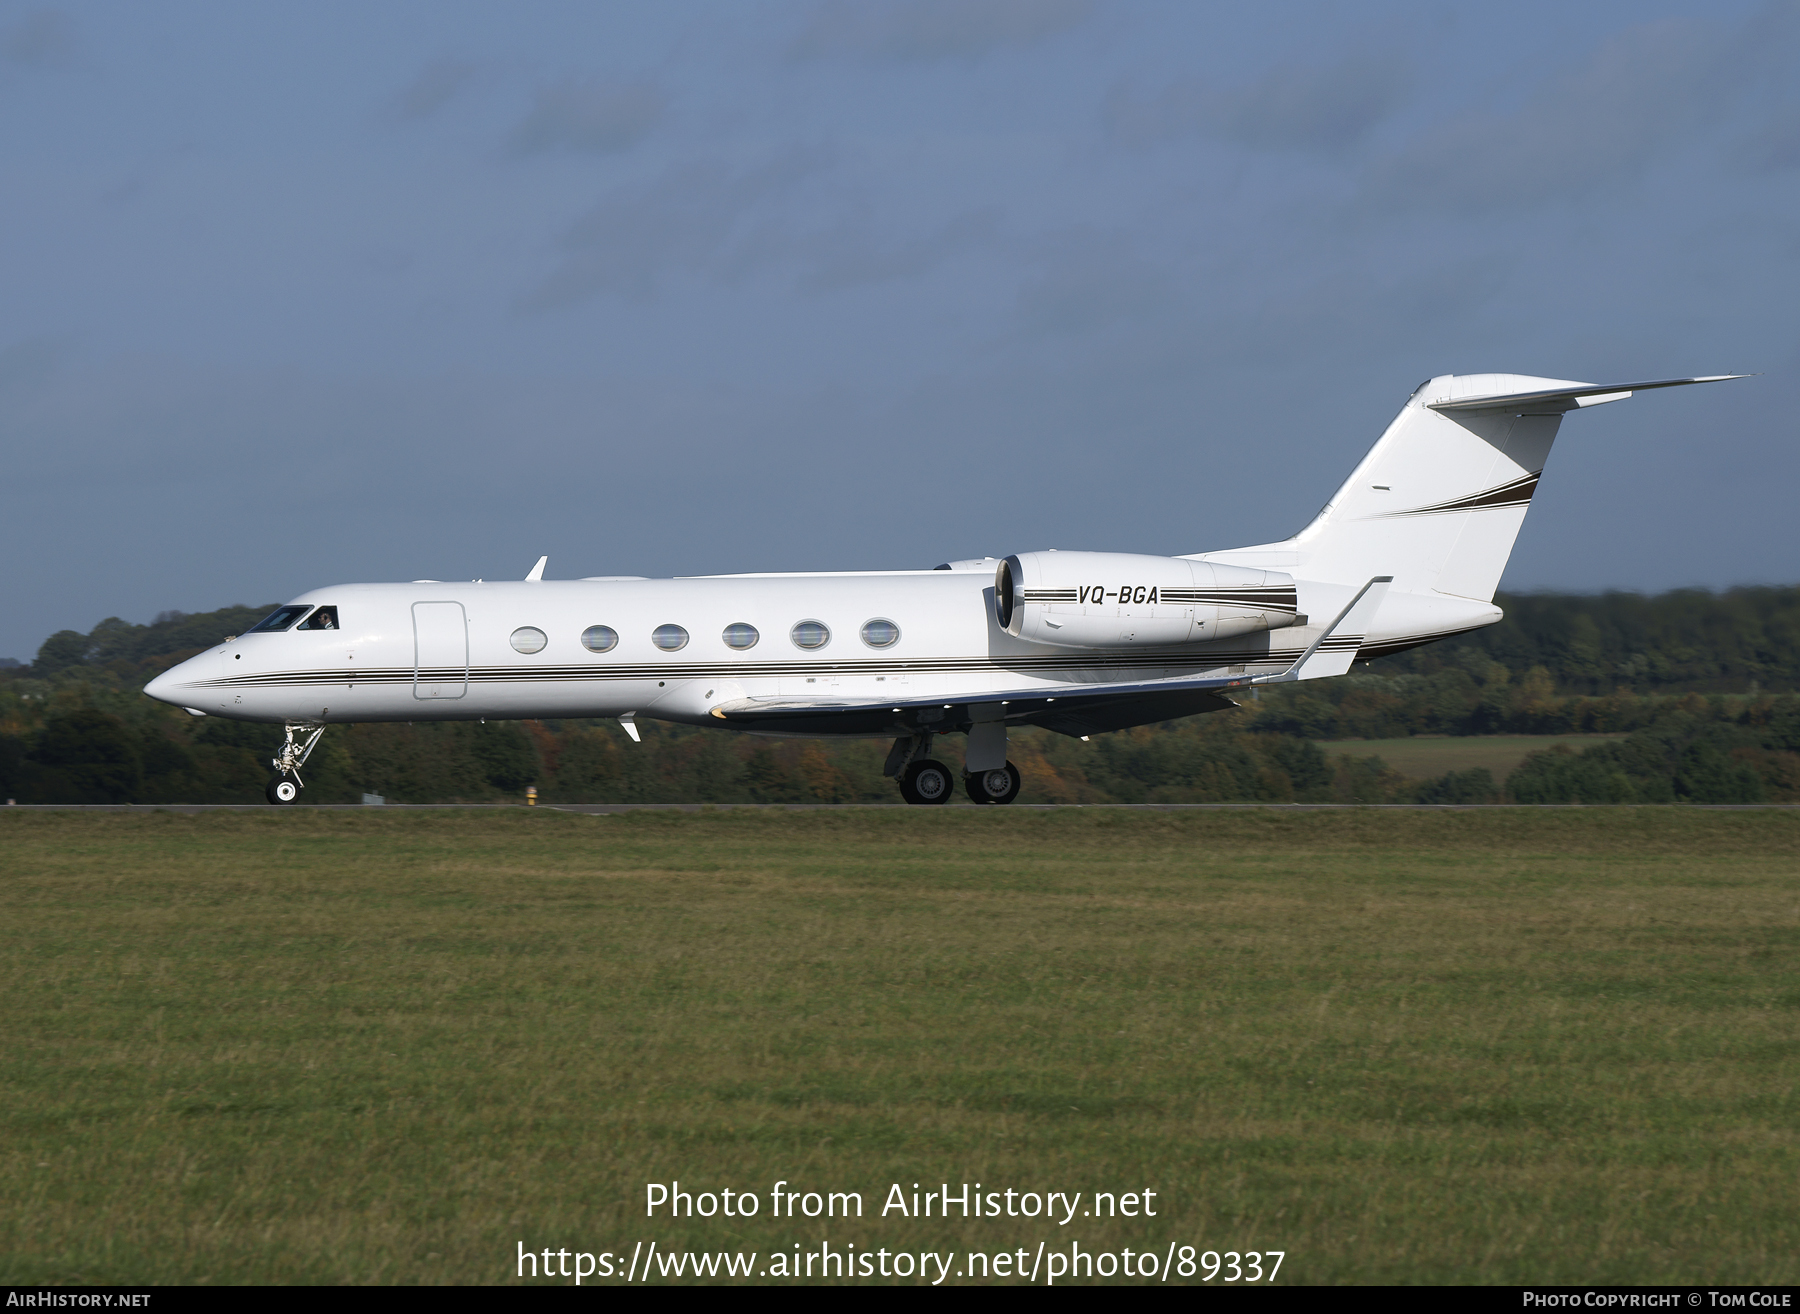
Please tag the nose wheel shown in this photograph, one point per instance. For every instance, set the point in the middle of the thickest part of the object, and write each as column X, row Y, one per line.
column 1001, row 785
column 927, row 782
column 285, row 785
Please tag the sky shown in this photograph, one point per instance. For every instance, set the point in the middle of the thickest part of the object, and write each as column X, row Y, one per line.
column 303, row 294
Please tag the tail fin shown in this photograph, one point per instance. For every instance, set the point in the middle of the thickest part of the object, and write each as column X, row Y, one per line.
column 1438, row 501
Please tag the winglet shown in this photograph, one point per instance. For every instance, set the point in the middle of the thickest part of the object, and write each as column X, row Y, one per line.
column 537, row 571
column 629, row 723
column 1332, row 653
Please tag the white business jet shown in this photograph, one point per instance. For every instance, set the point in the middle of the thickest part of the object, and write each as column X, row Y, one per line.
column 1409, row 550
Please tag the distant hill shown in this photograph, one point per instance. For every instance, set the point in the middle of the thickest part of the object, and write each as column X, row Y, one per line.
column 114, row 640
column 1687, row 640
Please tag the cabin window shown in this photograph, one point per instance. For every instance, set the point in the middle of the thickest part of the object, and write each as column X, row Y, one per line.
column 599, row 638
column 279, row 619
column 325, row 618
column 880, row 633
column 529, row 638
column 670, row 638
column 741, row 636
column 810, row 634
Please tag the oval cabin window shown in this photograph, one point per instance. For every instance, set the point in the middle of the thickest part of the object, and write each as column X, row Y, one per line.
column 599, row 638
column 810, row 634
column 880, row 633
column 528, row 638
column 741, row 636
column 670, row 638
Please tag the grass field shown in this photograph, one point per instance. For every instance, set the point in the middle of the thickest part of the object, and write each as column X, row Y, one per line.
column 1498, row 1045
column 1426, row 756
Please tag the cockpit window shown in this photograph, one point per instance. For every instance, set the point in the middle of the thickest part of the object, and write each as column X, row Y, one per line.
column 280, row 619
column 325, row 618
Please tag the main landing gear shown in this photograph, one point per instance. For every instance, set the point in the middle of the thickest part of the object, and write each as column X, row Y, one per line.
column 285, row 785
column 1001, row 785
column 927, row 782
column 922, row 779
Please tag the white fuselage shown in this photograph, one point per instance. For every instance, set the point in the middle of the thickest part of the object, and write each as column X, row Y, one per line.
column 393, row 658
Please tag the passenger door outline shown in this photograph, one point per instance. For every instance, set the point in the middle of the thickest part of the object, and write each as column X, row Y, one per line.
column 440, row 650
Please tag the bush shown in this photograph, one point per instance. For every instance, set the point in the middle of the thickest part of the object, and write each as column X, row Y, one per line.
column 13, row 767
column 85, row 756
column 1473, row 786
column 1709, row 776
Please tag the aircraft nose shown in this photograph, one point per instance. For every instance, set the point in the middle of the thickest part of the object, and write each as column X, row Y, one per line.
column 169, row 686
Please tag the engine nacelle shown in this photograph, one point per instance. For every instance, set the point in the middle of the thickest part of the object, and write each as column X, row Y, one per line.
column 1122, row 600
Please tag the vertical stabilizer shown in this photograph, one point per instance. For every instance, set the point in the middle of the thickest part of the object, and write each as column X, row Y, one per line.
column 1438, row 501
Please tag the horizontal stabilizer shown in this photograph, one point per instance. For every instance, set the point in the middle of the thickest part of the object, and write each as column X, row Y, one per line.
column 1565, row 399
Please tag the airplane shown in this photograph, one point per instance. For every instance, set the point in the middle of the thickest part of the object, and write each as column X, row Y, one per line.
column 1409, row 551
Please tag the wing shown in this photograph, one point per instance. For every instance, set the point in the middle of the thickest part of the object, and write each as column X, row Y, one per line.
column 1076, row 709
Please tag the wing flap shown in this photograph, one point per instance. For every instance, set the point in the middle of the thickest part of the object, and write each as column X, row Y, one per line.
column 1099, row 717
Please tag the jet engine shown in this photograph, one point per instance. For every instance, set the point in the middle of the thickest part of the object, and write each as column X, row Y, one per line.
column 1122, row 600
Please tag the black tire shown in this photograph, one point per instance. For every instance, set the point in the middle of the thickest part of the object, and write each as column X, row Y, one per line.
column 998, row 786
column 282, row 790
column 927, row 782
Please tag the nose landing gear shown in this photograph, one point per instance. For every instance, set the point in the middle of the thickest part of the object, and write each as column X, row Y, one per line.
column 285, row 785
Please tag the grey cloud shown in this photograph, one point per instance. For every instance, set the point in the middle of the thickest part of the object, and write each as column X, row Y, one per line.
column 1775, row 142
column 724, row 224
column 44, row 38
column 933, row 29
column 1088, row 281
column 851, row 256
column 125, row 192
column 1322, row 109
column 1644, row 94
column 438, row 83
column 694, row 218
column 593, row 117
column 29, row 365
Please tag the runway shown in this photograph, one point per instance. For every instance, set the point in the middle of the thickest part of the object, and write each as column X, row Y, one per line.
column 605, row 809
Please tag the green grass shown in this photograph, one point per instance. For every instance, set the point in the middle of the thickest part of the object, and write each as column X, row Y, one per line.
column 1427, row 756
column 1493, row 1046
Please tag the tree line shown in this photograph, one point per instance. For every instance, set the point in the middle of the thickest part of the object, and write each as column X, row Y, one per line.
column 74, row 727
column 1739, row 640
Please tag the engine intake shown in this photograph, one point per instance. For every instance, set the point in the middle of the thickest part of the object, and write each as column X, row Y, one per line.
column 1123, row 600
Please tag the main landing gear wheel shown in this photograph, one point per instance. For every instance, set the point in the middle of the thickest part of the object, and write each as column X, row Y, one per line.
column 282, row 789
column 927, row 782
column 1001, row 785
